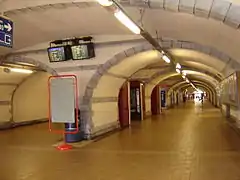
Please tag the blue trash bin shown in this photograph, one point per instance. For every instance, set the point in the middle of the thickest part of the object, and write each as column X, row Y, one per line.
column 71, row 127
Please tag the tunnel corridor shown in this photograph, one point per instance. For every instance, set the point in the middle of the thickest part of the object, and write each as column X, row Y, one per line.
column 188, row 142
column 136, row 64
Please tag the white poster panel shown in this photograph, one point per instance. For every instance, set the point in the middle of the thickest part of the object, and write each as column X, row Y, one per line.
column 62, row 100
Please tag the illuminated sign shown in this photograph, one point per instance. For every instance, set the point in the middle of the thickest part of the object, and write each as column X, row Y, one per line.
column 6, row 32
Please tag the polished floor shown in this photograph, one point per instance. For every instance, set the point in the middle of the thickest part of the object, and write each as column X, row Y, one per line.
column 186, row 143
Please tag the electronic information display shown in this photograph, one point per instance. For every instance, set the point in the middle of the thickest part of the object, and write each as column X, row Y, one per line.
column 80, row 52
column 56, row 54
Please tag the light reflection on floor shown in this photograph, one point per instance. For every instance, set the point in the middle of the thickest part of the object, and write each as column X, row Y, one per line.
column 189, row 142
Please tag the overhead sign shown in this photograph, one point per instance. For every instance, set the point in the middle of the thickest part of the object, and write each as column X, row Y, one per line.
column 6, row 32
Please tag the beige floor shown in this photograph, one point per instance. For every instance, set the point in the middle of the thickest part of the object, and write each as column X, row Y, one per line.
column 186, row 143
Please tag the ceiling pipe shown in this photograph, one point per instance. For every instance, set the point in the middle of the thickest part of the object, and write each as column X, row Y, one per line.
column 114, row 6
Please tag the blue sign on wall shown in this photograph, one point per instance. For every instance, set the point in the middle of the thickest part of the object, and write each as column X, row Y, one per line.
column 6, row 32
column 163, row 98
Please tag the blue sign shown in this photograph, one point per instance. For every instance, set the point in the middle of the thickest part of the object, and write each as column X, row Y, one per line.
column 6, row 32
column 163, row 98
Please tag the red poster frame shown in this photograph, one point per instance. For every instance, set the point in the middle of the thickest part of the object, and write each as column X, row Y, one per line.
column 49, row 105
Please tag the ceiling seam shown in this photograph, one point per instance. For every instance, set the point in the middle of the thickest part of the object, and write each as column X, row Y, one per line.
column 194, row 7
column 225, row 17
column 210, row 10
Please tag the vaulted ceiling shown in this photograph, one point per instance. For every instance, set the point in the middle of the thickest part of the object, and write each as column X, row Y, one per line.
column 211, row 23
column 43, row 20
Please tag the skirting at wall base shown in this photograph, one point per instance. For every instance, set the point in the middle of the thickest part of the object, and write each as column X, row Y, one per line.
column 5, row 125
column 232, row 121
column 148, row 114
column 101, row 130
column 9, row 125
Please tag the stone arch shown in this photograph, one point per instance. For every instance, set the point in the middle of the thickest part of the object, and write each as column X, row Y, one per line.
column 200, row 85
column 23, row 81
column 150, row 86
column 212, row 93
column 39, row 64
column 207, row 85
column 179, row 84
column 223, row 11
column 86, row 104
column 146, row 47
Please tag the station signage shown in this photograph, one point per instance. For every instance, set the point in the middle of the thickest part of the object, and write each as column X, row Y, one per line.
column 6, row 32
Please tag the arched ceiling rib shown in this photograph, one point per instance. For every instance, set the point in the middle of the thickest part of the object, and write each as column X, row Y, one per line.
column 213, row 74
column 225, row 11
column 169, row 82
column 177, row 85
column 200, row 87
column 8, row 83
column 197, row 75
column 126, row 63
column 146, row 75
column 13, row 6
column 193, row 28
column 203, row 76
column 183, row 87
column 193, row 57
column 46, row 20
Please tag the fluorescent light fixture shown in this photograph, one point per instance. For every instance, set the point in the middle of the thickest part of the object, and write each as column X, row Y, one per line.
column 178, row 71
column 25, row 71
column 166, row 59
column 105, row 2
column 178, row 66
column 127, row 22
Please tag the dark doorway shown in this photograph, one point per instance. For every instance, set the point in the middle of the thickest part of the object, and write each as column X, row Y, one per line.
column 137, row 99
column 163, row 98
column 123, row 105
column 177, row 99
column 155, row 101
column 228, row 111
column 135, row 104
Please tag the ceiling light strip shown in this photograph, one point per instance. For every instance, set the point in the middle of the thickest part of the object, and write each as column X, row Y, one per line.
column 115, row 7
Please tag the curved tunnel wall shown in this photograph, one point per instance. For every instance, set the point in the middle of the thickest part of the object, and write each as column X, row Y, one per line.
column 5, row 102
column 101, row 98
column 208, row 90
column 30, row 100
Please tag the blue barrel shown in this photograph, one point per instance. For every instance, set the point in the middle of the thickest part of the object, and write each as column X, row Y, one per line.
column 72, row 127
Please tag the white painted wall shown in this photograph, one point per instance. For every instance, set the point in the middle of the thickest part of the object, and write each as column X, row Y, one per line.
column 5, row 109
column 5, row 114
column 30, row 101
column 106, row 113
column 148, row 105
